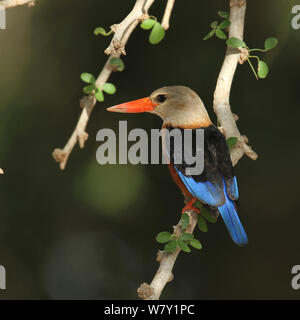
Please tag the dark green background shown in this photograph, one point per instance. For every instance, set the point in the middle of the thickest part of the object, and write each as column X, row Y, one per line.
column 89, row 231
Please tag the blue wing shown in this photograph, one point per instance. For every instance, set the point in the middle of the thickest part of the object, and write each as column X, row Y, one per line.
column 207, row 192
column 213, row 195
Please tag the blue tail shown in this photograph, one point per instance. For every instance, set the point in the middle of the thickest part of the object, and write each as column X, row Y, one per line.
column 232, row 221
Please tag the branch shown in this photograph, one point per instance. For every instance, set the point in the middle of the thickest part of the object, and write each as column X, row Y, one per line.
column 228, row 125
column 166, row 19
column 122, row 32
column 166, row 262
column 222, row 93
column 15, row 3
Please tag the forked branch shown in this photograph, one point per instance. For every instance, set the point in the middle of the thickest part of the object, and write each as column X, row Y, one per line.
column 122, row 32
column 222, row 92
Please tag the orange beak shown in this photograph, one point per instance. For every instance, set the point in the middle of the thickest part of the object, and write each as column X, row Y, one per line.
column 136, row 106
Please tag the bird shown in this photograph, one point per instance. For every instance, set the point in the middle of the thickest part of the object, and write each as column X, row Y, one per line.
column 216, row 187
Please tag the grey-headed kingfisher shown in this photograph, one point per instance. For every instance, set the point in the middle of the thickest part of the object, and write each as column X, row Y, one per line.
column 216, row 187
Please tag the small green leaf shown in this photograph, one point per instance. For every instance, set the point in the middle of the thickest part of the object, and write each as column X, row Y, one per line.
column 214, row 24
column 157, row 33
column 207, row 215
column 223, row 14
column 202, row 224
column 198, row 204
column 163, row 237
column 263, row 69
column 109, row 88
column 196, row 244
column 89, row 89
column 99, row 95
column 231, row 142
column 236, row 43
column 225, row 24
column 102, row 31
column 210, row 34
column 270, row 43
column 171, row 246
column 185, row 221
column 117, row 63
column 187, row 236
column 147, row 24
column 220, row 34
column 87, row 77
column 183, row 245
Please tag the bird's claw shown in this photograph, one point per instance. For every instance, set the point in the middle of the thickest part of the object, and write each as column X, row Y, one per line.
column 189, row 206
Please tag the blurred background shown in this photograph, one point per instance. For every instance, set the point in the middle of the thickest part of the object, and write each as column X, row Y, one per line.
column 89, row 232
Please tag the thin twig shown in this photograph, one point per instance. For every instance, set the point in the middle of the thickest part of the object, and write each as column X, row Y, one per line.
column 222, row 92
column 168, row 11
column 15, row 3
column 122, row 32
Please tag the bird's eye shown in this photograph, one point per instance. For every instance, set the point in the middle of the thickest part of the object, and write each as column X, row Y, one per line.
column 161, row 98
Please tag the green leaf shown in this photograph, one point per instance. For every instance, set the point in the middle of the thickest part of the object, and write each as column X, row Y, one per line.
column 225, row 24
column 231, row 142
column 207, row 215
column 183, row 245
column 109, row 88
column 198, row 204
column 171, row 246
column 236, row 43
column 99, row 95
column 187, row 236
column 202, row 224
column 196, row 244
column 87, row 77
column 220, row 34
column 102, row 31
column 223, row 14
column 157, row 33
column 210, row 34
column 117, row 63
column 147, row 24
column 89, row 89
column 163, row 237
column 270, row 43
column 185, row 221
column 214, row 24
column 263, row 69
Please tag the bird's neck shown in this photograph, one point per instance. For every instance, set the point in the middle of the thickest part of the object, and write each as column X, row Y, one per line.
column 189, row 119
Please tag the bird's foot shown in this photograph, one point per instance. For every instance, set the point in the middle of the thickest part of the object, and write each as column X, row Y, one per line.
column 189, row 206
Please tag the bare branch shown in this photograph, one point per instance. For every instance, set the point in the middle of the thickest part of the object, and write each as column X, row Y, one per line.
column 122, row 32
column 15, row 3
column 166, row 262
column 166, row 19
column 224, row 82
